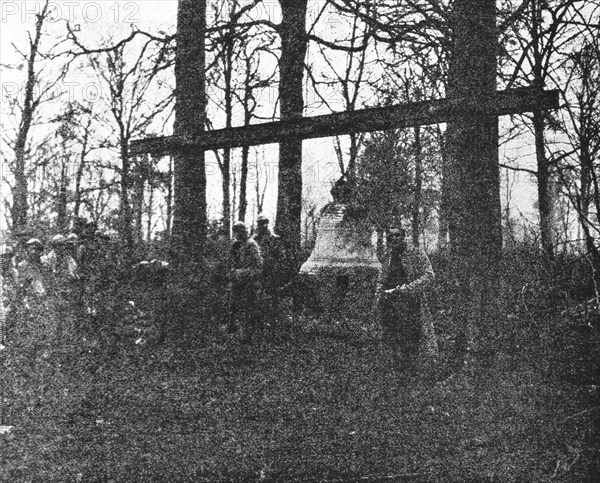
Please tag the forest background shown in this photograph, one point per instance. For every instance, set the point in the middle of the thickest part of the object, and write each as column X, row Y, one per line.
column 71, row 104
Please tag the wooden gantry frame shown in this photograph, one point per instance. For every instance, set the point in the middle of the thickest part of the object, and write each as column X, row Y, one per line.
column 500, row 103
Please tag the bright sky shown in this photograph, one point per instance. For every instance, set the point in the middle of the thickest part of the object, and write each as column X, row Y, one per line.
column 96, row 20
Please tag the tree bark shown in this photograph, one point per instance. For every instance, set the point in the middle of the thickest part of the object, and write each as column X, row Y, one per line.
column 125, row 210
column 544, row 186
column 137, row 203
column 445, row 194
column 62, row 200
column 81, row 167
column 544, row 177
column 473, row 139
column 243, row 183
column 473, row 172
column 228, row 70
column 291, row 104
column 20, row 190
column 150, row 212
column 169, row 214
column 189, row 217
column 245, row 149
column 418, row 195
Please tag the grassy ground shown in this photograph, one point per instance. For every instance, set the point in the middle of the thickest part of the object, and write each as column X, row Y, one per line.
column 320, row 403
column 315, row 406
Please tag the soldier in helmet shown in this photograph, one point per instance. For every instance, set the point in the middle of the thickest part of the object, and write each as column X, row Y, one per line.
column 72, row 242
column 60, row 261
column 7, row 275
column 34, row 282
column 244, row 276
column 407, row 276
column 64, row 294
column 274, row 268
column 32, row 274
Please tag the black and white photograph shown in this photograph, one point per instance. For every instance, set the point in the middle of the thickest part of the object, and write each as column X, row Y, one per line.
column 299, row 241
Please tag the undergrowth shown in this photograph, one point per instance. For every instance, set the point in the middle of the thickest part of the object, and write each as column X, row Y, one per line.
column 140, row 395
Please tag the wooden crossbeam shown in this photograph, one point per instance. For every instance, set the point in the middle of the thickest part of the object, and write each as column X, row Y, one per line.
column 511, row 101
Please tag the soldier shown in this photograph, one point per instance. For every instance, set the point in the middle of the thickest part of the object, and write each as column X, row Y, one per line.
column 77, row 287
column 72, row 242
column 64, row 297
column 32, row 272
column 244, row 276
column 34, row 280
column 274, row 268
column 7, row 276
column 60, row 261
column 407, row 275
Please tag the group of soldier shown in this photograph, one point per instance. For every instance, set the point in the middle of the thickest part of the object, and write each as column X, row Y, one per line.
column 44, row 287
column 260, row 265
column 50, row 288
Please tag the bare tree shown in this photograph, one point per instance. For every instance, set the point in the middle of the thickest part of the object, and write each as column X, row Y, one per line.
column 34, row 93
column 579, row 161
column 294, row 43
column 534, row 46
column 350, row 81
column 236, row 74
column 133, row 103
column 189, row 217
column 260, row 189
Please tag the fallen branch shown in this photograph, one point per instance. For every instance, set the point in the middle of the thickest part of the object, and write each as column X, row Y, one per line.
column 580, row 413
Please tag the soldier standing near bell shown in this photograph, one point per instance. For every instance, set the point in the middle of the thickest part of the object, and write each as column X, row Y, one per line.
column 407, row 275
column 274, row 270
column 244, row 277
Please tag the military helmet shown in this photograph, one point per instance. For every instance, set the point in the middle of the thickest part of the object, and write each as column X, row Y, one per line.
column 396, row 232
column 58, row 240
column 35, row 243
column 240, row 226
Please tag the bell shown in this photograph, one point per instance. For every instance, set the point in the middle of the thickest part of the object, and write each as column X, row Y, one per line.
column 342, row 242
column 344, row 262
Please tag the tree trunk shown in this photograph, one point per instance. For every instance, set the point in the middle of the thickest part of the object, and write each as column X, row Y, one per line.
column 473, row 173
column 138, row 207
column 245, row 152
column 245, row 149
column 189, row 220
column 169, row 220
column 20, row 191
column 445, row 195
column 260, row 195
column 227, row 151
column 545, row 187
column 544, row 179
column 125, row 211
column 243, row 183
column 62, row 199
column 150, row 213
column 418, row 195
column 80, row 168
column 291, row 70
